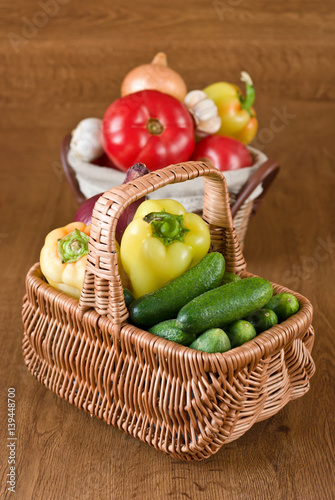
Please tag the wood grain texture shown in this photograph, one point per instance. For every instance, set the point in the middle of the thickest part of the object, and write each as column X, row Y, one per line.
column 71, row 69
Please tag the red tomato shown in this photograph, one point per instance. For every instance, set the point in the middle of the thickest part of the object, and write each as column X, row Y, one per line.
column 225, row 153
column 149, row 127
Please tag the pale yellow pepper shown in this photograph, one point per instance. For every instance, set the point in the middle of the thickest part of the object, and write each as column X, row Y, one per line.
column 63, row 257
column 161, row 243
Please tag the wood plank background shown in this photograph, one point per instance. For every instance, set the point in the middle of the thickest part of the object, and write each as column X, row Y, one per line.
column 68, row 64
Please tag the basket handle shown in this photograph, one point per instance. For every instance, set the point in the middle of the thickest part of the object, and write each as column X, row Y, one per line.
column 102, row 287
column 265, row 175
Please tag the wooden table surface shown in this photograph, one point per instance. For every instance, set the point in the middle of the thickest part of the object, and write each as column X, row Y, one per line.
column 68, row 64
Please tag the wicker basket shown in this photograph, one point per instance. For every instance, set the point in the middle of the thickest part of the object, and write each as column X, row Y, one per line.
column 242, row 208
column 183, row 402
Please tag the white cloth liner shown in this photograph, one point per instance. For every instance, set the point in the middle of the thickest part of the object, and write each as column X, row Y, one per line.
column 94, row 179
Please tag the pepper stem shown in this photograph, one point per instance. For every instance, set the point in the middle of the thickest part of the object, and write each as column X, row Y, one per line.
column 73, row 246
column 249, row 98
column 167, row 227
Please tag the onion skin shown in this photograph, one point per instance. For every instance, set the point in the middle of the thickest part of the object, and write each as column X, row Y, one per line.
column 155, row 76
column 84, row 212
column 135, row 171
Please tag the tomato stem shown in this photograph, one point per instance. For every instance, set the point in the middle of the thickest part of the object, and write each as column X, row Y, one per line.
column 154, row 126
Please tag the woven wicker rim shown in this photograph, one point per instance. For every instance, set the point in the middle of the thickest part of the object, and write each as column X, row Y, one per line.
column 266, row 343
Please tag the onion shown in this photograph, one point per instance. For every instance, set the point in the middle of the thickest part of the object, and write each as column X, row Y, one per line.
column 155, row 76
column 84, row 212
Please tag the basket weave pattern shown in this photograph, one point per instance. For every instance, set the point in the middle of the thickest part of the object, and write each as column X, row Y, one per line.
column 183, row 402
column 241, row 221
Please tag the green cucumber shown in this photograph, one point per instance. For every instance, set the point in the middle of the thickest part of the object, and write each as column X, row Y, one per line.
column 262, row 320
column 168, row 330
column 224, row 304
column 240, row 331
column 165, row 303
column 213, row 340
column 229, row 278
column 128, row 297
column 284, row 305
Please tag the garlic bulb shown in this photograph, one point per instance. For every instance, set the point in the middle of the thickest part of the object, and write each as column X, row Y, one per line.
column 193, row 97
column 86, row 142
column 209, row 127
column 204, row 112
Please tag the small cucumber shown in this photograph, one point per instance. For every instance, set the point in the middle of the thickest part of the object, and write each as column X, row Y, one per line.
column 240, row 332
column 229, row 278
column 128, row 297
column 284, row 305
column 224, row 304
column 164, row 303
column 168, row 330
column 262, row 320
column 213, row 340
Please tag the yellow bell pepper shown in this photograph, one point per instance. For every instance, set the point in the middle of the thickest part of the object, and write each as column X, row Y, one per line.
column 238, row 118
column 63, row 257
column 161, row 243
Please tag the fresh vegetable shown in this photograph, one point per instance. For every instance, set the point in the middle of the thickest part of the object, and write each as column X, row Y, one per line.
column 229, row 278
column 128, row 297
column 86, row 141
column 168, row 330
column 63, row 257
column 165, row 302
column 135, row 171
column 161, row 243
column 263, row 319
column 284, row 305
column 213, row 340
column 224, row 305
column 204, row 112
column 240, row 331
column 238, row 117
column 155, row 76
column 225, row 153
column 84, row 212
column 150, row 127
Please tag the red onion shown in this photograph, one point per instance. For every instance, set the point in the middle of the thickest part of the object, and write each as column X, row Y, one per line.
column 84, row 212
